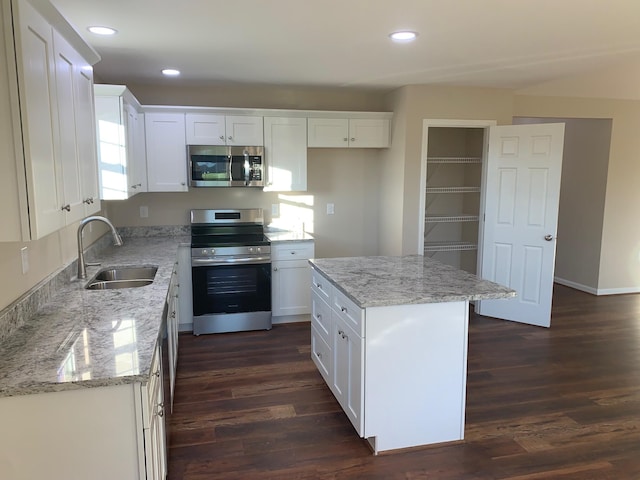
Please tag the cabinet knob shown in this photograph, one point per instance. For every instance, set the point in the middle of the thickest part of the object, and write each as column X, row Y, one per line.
column 353, row 139
column 182, row 183
column 275, row 269
column 345, row 139
column 221, row 137
column 230, row 137
column 343, row 309
column 319, row 355
column 66, row 207
column 319, row 317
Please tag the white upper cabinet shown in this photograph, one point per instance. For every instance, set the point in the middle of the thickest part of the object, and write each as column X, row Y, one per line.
column 285, row 144
column 74, row 83
column 349, row 132
column 211, row 129
column 44, row 86
column 121, row 143
column 166, row 152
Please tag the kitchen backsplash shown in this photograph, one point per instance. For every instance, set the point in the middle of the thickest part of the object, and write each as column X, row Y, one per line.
column 17, row 313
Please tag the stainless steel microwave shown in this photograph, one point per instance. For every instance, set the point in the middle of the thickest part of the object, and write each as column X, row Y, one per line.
column 225, row 166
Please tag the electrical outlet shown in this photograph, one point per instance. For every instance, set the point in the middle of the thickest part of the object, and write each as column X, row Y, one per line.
column 144, row 212
column 330, row 209
column 24, row 254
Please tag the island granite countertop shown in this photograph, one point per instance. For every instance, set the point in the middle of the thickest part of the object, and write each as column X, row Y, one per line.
column 405, row 280
column 90, row 338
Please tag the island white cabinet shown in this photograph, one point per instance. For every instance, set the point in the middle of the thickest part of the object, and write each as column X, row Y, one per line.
column 290, row 280
column 211, row 129
column 348, row 132
column 340, row 360
column 43, row 85
column 166, row 152
column 398, row 372
column 285, row 144
column 100, row 433
column 121, row 143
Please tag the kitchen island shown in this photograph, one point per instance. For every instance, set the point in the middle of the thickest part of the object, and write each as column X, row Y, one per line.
column 389, row 336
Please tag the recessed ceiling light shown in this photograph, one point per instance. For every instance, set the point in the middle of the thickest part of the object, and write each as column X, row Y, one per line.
column 171, row 72
column 98, row 30
column 403, row 36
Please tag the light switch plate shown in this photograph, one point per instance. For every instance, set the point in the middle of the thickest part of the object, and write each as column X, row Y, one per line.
column 275, row 209
column 144, row 212
column 331, row 209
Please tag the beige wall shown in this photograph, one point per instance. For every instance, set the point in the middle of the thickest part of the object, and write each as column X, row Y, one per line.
column 46, row 256
column 582, row 199
column 620, row 255
column 419, row 102
column 345, row 177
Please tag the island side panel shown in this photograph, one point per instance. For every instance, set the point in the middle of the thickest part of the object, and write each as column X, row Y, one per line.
column 415, row 374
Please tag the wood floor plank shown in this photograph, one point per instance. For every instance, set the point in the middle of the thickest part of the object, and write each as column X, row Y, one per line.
column 542, row 404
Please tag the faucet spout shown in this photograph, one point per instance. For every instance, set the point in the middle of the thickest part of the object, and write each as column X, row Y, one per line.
column 117, row 240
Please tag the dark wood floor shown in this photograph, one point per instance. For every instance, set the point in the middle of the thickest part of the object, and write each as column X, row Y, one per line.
column 559, row 403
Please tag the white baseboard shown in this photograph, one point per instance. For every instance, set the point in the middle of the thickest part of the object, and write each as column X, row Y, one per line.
column 596, row 291
column 577, row 286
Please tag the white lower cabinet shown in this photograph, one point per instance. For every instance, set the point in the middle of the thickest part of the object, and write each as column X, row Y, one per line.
column 185, row 305
column 100, row 433
column 173, row 319
column 155, row 448
column 398, row 371
column 347, row 379
column 290, row 280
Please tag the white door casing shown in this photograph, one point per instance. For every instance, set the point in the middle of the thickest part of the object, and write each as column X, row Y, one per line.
column 521, row 195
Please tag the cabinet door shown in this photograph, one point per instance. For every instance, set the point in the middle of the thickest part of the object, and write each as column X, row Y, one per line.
column 286, row 153
column 348, row 375
column 185, row 303
column 136, row 159
column 368, row 133
column 321, row 354
column 328, row 132
column 291, row 288
column 86, row 139
column 112, row 147
column 205, row 129
column 244, row 130
column 36, row 74
column 66, row 61
column 166, row 152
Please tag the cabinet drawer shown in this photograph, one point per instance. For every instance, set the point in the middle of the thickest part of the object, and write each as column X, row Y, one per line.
column 321, row 286
column 292, row 251
column 152, row 391
column 321, row 316
column 321, row 354
column 347, row 310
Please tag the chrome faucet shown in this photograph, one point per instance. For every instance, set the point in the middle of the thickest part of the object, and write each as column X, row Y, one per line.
column 117, row 241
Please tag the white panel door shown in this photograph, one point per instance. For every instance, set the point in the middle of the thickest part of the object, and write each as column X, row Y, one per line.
column 522, row 192
column 166, row 152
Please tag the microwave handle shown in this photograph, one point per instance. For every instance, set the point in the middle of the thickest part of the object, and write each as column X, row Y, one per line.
column 246, row 168
column 230, row 169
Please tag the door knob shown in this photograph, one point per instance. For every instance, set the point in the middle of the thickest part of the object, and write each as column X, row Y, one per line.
column 548, row 238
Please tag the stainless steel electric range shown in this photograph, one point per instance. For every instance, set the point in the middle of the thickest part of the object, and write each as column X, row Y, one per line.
column 231, row 271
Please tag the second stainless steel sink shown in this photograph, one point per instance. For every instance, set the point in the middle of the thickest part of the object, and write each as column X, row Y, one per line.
column 122, row 277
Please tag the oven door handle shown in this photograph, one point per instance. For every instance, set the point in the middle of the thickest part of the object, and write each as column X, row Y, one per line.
column 204, row 262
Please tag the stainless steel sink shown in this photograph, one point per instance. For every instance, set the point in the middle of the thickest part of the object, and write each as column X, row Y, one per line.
column 122, row 277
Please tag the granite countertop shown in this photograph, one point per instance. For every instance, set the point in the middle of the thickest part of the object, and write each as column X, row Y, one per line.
column 412, row 279
column 87, row 338
column 279, row 236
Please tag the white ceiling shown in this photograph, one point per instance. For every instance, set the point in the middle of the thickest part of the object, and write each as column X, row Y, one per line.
column 344, row 43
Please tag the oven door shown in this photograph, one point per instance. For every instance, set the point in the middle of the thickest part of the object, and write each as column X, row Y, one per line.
column 231, row 288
